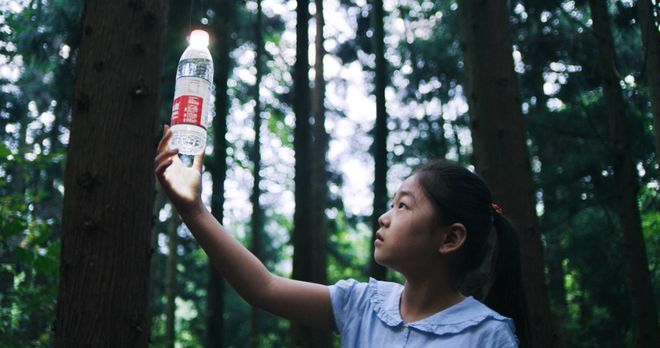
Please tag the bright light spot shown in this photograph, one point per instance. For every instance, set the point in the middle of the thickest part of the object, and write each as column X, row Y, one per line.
column 32, row 107
column 358, row 177
column 640, row 169
column 519, row 8
column 558, row 67
column 10, row 128
column 545, row 15
column 185, row 309
column 64, row 51
column 630, row 80
column 12, row 70
column 519, row 66
column 568, row 5
column 550, row 88
column 165, row 213
column 555, row 104
column 627, row 3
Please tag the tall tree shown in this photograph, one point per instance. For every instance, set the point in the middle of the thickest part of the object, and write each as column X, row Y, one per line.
column 649, row 15
column 627, row 187
column 379, row 146
column 257, row 210
column 319, row 178
column 222, row 28
column 302, row 224
column 500, row 152
column 109, row 182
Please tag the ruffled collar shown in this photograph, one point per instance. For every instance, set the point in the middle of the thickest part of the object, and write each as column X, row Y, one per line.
column 385, row 298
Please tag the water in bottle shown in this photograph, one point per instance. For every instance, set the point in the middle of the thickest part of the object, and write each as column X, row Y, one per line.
column 192, row 96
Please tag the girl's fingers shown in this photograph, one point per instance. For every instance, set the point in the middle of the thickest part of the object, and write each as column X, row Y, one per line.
column 165, row 154
column 160, row 169
column 165, row 140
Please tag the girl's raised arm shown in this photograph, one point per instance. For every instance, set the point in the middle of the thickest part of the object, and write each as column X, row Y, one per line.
column 303, row 302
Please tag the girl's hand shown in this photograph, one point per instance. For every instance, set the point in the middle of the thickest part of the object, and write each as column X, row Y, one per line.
column 181, row 184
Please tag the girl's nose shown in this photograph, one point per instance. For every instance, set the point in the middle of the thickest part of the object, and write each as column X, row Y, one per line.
column 383, row 220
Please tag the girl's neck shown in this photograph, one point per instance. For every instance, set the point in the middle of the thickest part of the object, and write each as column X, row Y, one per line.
column 423, row 298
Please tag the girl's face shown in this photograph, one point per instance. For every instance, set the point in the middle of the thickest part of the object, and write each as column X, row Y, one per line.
column 409, row 234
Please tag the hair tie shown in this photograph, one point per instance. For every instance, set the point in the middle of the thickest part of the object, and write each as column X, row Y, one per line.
column 496, row 208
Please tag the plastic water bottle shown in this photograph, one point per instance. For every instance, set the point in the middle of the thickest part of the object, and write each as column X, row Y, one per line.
column 192, row 96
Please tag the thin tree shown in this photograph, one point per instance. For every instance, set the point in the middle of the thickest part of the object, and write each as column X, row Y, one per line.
column 319, row 190
column 500, row 152
column 222, row 28
column 170, row 280
column 302, row 228
column 109, row 182
column 379, row 146
column 649, row 15
column 257, row 210
column 627, row 186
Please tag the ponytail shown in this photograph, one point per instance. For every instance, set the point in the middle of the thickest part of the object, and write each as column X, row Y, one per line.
column 506, row 295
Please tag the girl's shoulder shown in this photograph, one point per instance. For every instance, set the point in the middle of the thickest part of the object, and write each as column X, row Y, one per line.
column 468, row 323
column 472, row 320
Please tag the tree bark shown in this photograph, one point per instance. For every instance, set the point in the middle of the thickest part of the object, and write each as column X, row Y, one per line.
column 221, row 47
column 627, row 187
column 651, row 39
column 257, row 211
column 500, row 151
column 109, row 182
column 379, row 146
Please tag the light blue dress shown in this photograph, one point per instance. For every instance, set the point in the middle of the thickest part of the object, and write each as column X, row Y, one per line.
column 367, row 315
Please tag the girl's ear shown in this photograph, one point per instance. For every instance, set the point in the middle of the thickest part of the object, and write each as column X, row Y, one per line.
column 452, row 238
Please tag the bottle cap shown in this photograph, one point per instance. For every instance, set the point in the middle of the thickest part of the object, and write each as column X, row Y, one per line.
column 199, row 38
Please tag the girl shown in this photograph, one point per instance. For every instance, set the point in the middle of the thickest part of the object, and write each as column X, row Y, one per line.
column 435, row 232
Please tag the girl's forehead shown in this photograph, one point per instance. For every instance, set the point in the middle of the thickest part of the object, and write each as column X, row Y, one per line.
column 410, row 185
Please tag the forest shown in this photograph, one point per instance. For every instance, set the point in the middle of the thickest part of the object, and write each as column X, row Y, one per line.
column 320, row 110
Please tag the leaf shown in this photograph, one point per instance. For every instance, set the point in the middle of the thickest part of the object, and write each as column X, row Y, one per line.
column 46, row 264
column 25, row 256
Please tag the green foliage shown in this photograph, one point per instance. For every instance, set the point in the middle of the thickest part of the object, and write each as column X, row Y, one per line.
column 29, row 259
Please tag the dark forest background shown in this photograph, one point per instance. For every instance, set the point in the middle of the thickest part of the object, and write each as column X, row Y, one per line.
column 321, row 109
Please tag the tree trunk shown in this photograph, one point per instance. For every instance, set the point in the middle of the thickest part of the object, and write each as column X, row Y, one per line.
column 627, row 187
column 380, row 135
column 109, row 182
column 257, row 211
column 319, row 199
column 499, row 143
column 170, row 281
column 221, row 48
column 648, row 21
column 302, row 231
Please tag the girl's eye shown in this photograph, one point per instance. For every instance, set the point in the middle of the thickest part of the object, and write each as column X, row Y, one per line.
column 402, row 205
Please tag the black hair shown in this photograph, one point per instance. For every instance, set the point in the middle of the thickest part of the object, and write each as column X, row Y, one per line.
column 461, row 196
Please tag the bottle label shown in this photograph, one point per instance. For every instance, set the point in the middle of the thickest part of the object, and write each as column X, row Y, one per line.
column 187, row 109
column 191, row 98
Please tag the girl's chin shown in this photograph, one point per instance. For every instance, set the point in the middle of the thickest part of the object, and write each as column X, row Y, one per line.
column 378, row 257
